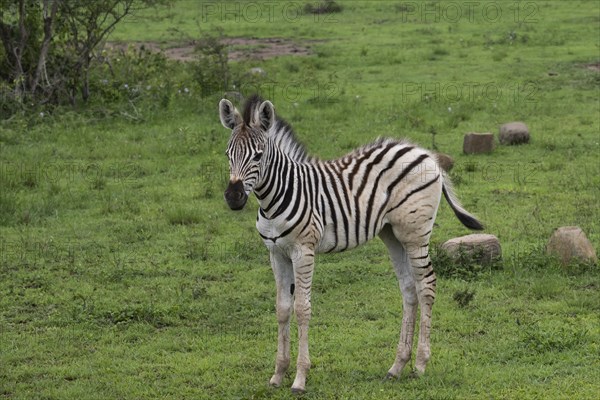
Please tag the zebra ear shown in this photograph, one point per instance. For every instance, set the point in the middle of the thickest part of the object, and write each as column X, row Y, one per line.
column 265, row 116
column 230, row 117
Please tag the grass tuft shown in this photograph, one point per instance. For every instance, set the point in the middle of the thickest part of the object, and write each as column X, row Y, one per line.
column 541, row 338
column 463, row 297
column 183, row 216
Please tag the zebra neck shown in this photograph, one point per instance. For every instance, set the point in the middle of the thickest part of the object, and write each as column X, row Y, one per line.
column 277, row 182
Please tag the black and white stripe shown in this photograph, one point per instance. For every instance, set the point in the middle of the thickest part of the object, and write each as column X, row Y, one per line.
column 388, row 188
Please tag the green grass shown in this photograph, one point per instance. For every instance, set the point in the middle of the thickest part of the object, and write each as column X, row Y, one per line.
column 123, row 274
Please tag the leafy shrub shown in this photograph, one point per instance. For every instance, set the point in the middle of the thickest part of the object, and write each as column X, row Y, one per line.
column 49, row 47
column 134, row 82
column 323, row 7
column 211, row 69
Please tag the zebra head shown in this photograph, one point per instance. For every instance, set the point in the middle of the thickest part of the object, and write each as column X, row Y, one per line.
column 246, row 146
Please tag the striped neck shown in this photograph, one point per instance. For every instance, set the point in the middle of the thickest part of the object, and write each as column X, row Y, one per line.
column 279, row 169
column 276, row 181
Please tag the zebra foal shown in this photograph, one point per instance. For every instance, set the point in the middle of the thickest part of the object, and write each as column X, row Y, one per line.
column 388, row 188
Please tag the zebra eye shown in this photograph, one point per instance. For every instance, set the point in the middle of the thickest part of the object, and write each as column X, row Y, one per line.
column 257, row 156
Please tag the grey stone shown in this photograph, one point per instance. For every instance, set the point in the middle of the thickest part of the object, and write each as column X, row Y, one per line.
column 257, row 71
column 477, row 143
column 569, row 243
column 478, row 247
column 514, row 133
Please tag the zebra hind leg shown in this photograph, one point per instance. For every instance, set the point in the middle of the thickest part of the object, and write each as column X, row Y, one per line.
column 425, row 280
column 404, row 274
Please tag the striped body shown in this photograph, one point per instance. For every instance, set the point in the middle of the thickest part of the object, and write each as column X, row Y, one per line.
column 343, row 203
column 389, row 188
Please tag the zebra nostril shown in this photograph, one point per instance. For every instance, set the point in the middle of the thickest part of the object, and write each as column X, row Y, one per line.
column 235, row 191
column 236, row 196
column 236, row 199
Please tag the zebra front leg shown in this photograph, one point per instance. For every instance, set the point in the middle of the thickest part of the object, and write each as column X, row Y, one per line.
column 284, row 279
column 303, row 272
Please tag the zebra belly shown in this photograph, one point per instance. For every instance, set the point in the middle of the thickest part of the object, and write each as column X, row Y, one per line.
column 332, row 239
column 335, row 240
column 329, row 242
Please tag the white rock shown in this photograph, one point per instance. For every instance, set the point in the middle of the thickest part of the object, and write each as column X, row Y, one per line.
column 478, row 247
column 569, row 243
column 514, row 133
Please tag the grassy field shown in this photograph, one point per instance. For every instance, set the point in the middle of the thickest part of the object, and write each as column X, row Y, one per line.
column 124, row 275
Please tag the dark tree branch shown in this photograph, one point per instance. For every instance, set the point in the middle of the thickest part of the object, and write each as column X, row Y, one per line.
column 51, row 56
column 49, row 16
column 17, row 51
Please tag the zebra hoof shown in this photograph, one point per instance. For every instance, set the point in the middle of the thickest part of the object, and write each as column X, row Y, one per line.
column 275, row 381
column 415, row 374
column 297, row 391
column 389, row 377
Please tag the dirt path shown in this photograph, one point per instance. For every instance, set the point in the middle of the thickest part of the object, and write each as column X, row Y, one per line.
column 594, row 66
column 239, row 48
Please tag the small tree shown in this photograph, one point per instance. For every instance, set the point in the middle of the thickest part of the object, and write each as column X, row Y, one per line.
column 211, row 70
column 48, row 45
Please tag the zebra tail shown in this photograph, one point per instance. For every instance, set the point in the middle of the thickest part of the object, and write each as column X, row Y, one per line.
column 463, row 215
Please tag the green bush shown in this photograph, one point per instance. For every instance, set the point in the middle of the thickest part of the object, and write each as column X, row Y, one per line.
column 142, row 79
column 49, row 49
column 322, row 7
column 211, row 68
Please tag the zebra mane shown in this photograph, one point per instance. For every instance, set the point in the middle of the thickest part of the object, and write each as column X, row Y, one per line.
column 281, row 133
column 250, row 108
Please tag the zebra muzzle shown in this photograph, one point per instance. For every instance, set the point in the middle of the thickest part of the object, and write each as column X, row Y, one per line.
column 235, row 196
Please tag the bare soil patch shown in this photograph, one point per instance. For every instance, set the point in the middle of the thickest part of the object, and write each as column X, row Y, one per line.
column 239, row 48
column 593, row 66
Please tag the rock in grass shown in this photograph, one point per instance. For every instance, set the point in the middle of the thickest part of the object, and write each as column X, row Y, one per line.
column 477, row 143
column 257, row 71
column 514, row 133
column 481, row 248
column 444, row 161
column 569, row 244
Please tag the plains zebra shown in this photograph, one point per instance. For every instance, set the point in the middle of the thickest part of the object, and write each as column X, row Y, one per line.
column 388, row 188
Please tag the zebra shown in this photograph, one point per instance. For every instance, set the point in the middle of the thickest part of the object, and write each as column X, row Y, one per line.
column 389, row 188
